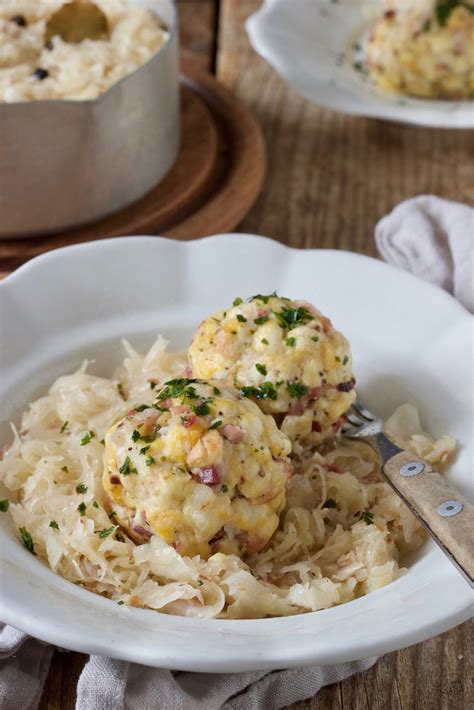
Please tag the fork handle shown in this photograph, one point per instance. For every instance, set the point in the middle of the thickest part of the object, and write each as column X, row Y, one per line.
column 441, row 509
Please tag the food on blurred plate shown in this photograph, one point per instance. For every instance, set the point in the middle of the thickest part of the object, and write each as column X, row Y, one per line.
column 202, row 467
column 159, row 490
column 286, row 356
column 424, row 48
column 44, row 55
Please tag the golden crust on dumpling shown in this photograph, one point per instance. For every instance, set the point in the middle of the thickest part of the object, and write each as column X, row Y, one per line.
column 203, row 467
column 286, row 356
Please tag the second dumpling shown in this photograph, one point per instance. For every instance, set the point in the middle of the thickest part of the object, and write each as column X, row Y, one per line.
column 286, row 356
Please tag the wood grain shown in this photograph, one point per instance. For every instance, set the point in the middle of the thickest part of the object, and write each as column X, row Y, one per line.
column 434, row 675
column 198, row 24
column 330, row 178
column 424, row 492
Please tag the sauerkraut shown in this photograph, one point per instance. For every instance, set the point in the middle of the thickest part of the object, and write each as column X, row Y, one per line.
column 341, row 535
column 33, row 67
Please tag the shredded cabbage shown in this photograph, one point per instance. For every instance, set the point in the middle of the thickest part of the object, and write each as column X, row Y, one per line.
column 341, row 534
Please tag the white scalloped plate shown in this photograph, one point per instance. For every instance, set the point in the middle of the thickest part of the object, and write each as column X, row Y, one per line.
column 411, row 342
column 311, row 44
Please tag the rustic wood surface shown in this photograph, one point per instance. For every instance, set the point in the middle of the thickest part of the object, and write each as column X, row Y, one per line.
column 330, row 178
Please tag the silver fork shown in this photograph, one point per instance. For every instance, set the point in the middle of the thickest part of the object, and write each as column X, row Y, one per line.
column 441, row 509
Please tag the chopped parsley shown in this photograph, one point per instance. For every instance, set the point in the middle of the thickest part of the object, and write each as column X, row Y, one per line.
column 105, row 532
column 53, row 524
column 261, row 368
column 264, row 299
column 178, row 387
column 216, row 390
column 27, row 540
column 261, row 320
column 367, row 517
column 345, row 360
column 120, row 390
column 184, row 388
column 150, row 461
column 330, row 503
column 4, row 504
column 237, row 301
column 81, row 508
column 87, row 438
column 264, row 391
column 200, row 582
column 135, row 435
column 216, row 424
column 445, row 8
column 315, row 338
column 65, row 469
column 95, row 504
column 224, row 488
column 265, row 341
column 64, row 427
column 153, row 385
column 296, row 389
column 241, row 318
column 144, row 450
column 142, row 407
column 290, row 342
column 337, row 358
column 125, row 469
column 81, row 488
column 201, row 409
column 121, row 602
column 293, row 317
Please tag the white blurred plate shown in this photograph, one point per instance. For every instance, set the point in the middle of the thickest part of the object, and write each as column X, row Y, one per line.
column 313, row 45
column 410, row 341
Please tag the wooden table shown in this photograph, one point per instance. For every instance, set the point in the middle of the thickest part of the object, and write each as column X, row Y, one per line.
column 330, row 178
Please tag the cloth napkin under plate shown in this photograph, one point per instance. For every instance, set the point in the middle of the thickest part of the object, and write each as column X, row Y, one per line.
column 117, row 685
column 108, row 684
column 433, row 238
column 429, row 236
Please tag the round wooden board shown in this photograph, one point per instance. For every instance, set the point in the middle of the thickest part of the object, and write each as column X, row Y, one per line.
column 216, row 178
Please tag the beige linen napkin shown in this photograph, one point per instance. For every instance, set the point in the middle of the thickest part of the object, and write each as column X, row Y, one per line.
column 117, row 685
column 24, row 665
column 108, row 684
column 433, row 238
